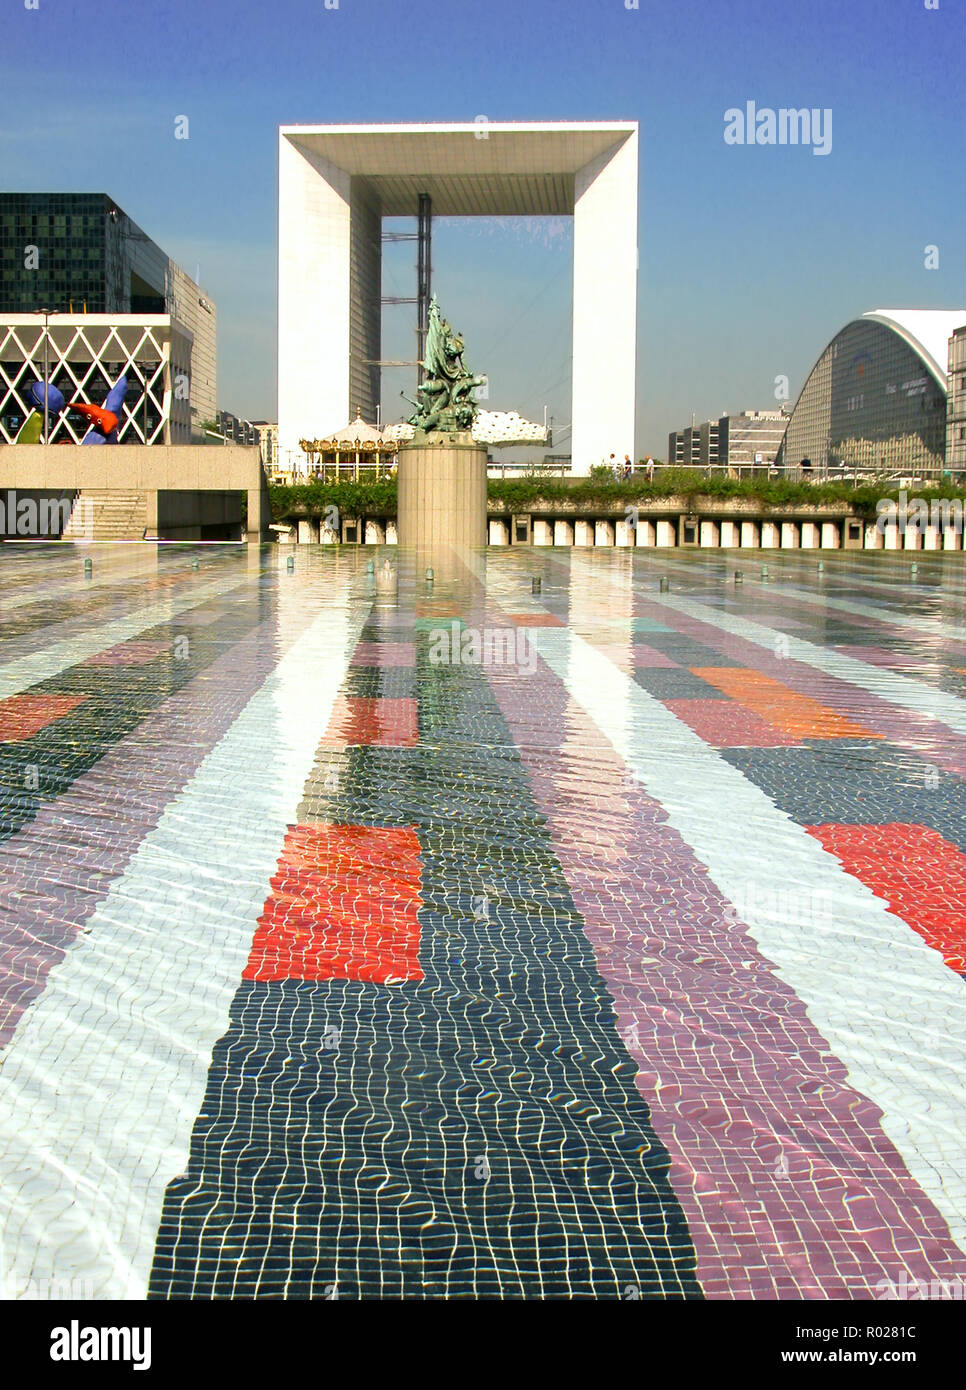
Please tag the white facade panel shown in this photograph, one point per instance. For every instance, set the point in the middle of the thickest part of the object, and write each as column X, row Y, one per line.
column 314, row 216
column 605, row 308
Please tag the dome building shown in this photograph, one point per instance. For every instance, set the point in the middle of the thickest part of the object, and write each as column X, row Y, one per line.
column 875, row 401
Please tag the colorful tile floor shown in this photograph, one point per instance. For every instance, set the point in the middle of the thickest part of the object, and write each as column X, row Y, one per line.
column 622, row 959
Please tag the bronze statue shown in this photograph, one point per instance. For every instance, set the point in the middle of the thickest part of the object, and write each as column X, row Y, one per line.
column 446, row 402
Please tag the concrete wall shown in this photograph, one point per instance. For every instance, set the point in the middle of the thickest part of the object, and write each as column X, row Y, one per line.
column 365, row 301
column 148, row 469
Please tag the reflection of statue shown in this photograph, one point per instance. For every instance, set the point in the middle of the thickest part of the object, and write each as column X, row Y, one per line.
column 446, row 403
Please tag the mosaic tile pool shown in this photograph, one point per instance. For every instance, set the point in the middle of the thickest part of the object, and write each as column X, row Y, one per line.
column 621, row 956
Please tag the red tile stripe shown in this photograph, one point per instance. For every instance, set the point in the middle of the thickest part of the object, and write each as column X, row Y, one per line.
column 22, row 716
column 383, row 723
column 344, row 906
column 920, row 875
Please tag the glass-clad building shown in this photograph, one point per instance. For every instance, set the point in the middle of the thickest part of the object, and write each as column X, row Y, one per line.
column 80, row 257
column 875, row 401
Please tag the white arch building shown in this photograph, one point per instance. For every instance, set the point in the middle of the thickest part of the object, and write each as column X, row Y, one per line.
column 335, row 185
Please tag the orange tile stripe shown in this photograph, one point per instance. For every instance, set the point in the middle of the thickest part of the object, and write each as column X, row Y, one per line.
column 535, row 620
column 782, row 707
column 344, row 906
column 22, row 716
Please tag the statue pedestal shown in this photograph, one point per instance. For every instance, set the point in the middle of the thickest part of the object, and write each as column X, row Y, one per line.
column 442, row 493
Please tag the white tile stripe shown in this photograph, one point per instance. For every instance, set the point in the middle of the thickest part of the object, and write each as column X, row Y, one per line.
column 19, row 675
column 37, row 584
column 923, row 624
column 905, row 1047
column 111, row 1062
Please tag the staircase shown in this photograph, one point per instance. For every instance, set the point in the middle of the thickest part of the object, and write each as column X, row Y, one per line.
column 107, row 514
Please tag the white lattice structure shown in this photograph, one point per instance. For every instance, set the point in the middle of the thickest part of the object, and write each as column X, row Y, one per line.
column 86, row 353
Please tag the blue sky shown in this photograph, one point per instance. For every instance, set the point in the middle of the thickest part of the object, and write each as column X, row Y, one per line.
column 751, row 257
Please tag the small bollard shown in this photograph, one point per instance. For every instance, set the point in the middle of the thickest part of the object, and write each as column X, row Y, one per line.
column 290, row 564
column 664, row 585
column 535, row 585
column 913, row 569
column 739, row 577
column 370, row 567
column 429, row 576
column 821, row 566
column 194, row 564
column 88, row 567
column 764, row 571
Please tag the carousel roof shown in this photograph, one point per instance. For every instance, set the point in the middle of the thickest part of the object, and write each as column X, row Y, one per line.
column 358, row 432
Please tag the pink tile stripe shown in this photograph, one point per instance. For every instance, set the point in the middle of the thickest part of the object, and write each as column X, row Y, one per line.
column 643, row 655
column 384, row 654
column 726, row 724
column 129, row 654
column 881, row 656
column 790, row 1187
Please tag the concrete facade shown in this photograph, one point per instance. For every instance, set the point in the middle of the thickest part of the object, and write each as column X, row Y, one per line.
column 175, row 473
column 336, row 183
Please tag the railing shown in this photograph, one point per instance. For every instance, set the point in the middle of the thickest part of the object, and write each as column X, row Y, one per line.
column 818, row 473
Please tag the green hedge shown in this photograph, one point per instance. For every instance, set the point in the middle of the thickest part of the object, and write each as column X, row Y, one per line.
column 351, row 498
column 519, row 494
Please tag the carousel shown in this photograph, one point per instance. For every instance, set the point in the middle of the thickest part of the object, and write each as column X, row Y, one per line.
column 358, row 450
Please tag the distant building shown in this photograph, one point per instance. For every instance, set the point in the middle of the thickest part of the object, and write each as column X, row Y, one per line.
column 956, row 403
column 236, row 431
column 876, row 399
column 268, row 438
column 751, row 437
column 80, row 256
